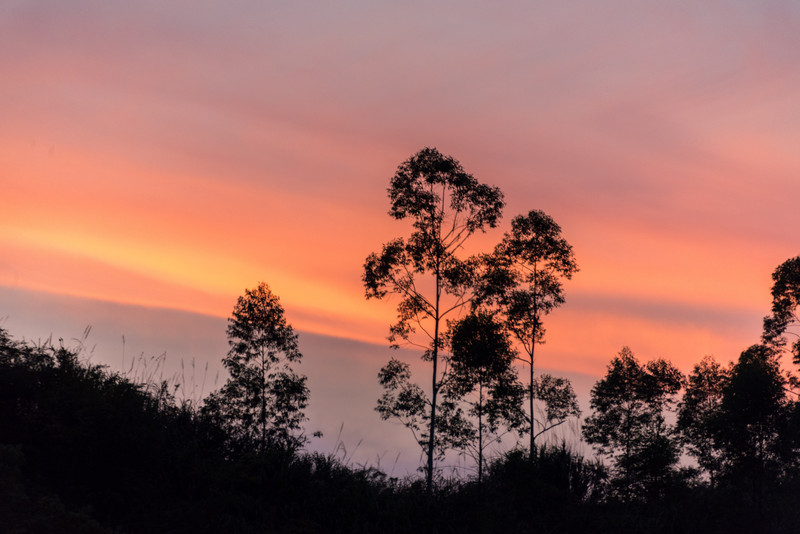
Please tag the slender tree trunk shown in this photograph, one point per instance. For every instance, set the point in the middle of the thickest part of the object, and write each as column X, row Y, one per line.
column 532, row 397
column 434, row 387
column 263, row 404
column 628, row 452
column 480, row 433
column 533, row 350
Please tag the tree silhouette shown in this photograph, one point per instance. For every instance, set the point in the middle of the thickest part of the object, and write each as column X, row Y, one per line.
column 753, row 414
column 262, row 402
column 523, row 277
column 628, row 422
column 785, row 302
column 481, row 373
column 699, row 414
column 446, row 206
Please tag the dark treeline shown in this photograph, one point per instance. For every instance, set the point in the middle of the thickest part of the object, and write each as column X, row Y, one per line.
column 87, row 449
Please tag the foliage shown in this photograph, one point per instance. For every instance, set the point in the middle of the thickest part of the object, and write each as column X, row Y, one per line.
column 525, row 272
column 699, row 414
column 82, row 436
column 785, row 302
column 628, row 423
column 446, row 206
column 261, row 405
column 562, row 474
column 523, row 278
column 481, row 374
column 407, row 402
column 753, row 414
column 560, row 401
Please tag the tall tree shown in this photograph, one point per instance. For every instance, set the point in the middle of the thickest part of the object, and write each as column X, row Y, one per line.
column 699, row 414
column 753, row 414
column 446, row 206
column 523, row 278
column 481, row 374
column 785, row 302
column 262, row 402
column 628, row 422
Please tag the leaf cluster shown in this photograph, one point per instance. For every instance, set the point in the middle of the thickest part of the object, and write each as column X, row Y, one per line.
column 446, row 206
column 406, row 401
column 445, row 202
column 523, row 275
column 785, row 301
column 628, row 423
column 753, row 412
column 399, row 269
column 481, row 376
column 699, row 420
column 559, row 398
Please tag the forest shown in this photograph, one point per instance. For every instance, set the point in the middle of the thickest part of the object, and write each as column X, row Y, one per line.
column 84, row 448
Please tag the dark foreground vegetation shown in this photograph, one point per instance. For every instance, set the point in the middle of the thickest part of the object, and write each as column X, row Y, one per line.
column 83, row 449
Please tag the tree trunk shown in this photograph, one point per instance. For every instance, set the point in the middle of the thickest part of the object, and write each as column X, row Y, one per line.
column 263, row 404
column 434, row 388
column 533, row 350
column 532, row 396
column 480, row 433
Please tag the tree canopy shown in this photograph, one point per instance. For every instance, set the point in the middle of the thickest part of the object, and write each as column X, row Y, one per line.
column 753, row 415
column 629, row 425
column 523, row 279
column 262, row 402
column 699, row 414
column 785, row 302
column 481, row 375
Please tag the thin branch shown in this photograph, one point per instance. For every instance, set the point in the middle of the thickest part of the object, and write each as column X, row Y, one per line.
column 421, row 327
column 412, row 292
column 459, row 304
column 548, row 428
column 408, row 343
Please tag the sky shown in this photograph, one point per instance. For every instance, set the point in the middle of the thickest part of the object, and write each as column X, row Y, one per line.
column 157, row 158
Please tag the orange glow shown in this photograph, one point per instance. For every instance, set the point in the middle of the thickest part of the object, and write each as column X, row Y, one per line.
column 585, row 341
column 172, row 240
column 195, row 245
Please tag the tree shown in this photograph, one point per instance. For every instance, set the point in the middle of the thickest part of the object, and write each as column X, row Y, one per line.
column 262, row 402
column 523, row 278
column 699, row 414
column 628, row 423
column 446, row 206
column 785, row 302
column 481, row 373
column 753, row 414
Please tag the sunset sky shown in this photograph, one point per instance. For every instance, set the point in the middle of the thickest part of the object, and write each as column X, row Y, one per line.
column 156, row 158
